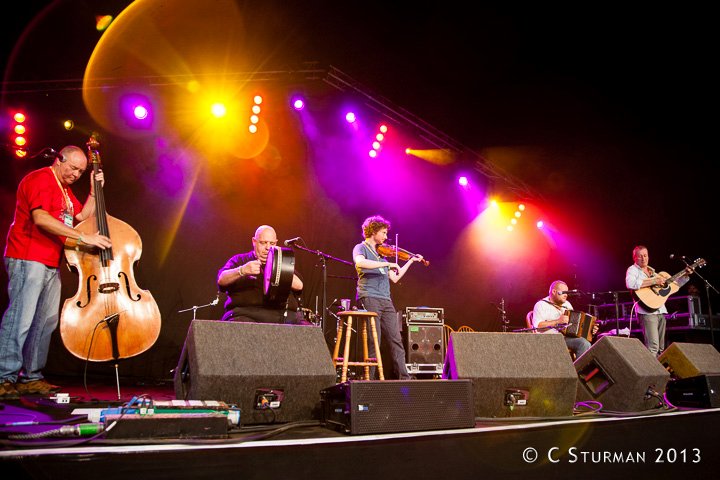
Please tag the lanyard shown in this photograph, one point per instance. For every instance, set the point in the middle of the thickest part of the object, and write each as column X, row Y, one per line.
column 66, row 198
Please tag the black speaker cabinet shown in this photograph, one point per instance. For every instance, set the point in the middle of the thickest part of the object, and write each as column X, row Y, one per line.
column 514, row 374
column 702, row 391
column 684, row 360
column 385, row 406
column 424, row 344
column 273, row 373
column 619, row 372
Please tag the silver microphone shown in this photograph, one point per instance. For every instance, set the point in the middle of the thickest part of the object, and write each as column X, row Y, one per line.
column 291, row 241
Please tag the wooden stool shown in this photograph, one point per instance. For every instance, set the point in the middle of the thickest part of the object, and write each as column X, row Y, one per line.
column 346, row 318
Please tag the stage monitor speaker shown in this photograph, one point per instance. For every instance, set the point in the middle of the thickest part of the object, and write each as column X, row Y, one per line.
column 377, row 406
column 621, row 374
column 424, row 343
column 514, row 374
column 684, row 360
column 702, row 391
column 272, row 372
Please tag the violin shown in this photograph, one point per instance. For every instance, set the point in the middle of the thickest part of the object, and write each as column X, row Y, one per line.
column 392, row 250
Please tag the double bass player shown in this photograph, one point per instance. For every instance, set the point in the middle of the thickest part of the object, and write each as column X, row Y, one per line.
column 46, row 212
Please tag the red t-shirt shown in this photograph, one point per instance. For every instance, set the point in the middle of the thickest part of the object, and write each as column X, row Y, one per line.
column 25, row 241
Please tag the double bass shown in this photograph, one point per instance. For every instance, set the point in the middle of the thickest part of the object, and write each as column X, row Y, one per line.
column 110, row 317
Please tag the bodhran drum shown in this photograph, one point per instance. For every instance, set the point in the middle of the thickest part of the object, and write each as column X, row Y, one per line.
column 279, row 271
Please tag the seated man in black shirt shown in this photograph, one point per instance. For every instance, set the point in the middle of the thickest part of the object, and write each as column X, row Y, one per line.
column 242, row 279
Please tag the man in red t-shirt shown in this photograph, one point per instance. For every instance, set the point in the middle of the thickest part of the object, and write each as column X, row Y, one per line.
column 46, row 211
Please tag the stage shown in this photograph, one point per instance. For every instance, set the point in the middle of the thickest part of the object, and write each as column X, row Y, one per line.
column 663, row 443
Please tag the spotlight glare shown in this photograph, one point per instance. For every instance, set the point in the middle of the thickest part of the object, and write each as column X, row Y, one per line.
column 253, row 128
column 372, row 153
column 140, row 112
column 20, row 129
column 376, row 145
column 68, row 124
column 380, row 137
column 254, row 119
column 255, row 109
column 258, row 99
column 521, row 207
column 540, row 224
column 383, row 128
column 218, row 110
column 463, row 181
column 350, row 117
column 19, row 117
column 298, row 104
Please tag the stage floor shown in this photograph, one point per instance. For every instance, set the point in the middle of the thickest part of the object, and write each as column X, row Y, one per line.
column 662, row 443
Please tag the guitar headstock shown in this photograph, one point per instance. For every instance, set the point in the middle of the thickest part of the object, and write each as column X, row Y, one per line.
column 700, row 262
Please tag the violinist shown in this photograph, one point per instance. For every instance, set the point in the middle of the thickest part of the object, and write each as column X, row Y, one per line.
column 46, row 211
column 373, row 292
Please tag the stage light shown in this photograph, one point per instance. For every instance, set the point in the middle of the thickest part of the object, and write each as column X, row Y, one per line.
column 136, row 110
column 376, row 145
column 380, row 137
column 463, row 181
column 102, row 22
column 258, row 99
column 350, row 117
column 254, row 119
column 218, row 110
column 20, row 134
column 255, row 109
column 253, row 128
column 298, row 104
column 372, row 153
column 383, row 128
column 540, row 224
column 521, row 207
column 68, row 124
column 140, row 112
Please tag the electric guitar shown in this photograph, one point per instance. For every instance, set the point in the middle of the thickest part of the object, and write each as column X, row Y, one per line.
column 655, row 296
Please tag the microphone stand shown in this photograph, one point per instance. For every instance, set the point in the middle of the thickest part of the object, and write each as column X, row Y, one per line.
column 708, row 286
column 181, row 373
column 195, row 308
column 323, row 264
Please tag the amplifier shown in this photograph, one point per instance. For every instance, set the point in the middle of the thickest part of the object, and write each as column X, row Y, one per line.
column 424, row 315
column 377, row 406
column 702, row 391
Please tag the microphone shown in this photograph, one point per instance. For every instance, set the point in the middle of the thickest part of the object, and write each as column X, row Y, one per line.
column 569, row 292
column 52, row 154
column 216, row 301
column 291, row 241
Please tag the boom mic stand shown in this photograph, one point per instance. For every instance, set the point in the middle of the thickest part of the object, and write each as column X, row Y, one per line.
column 323, row 257
column 708, row 286
column 181, row 373
column 195, row 308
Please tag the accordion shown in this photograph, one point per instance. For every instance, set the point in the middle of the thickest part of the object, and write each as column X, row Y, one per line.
column 580, row 324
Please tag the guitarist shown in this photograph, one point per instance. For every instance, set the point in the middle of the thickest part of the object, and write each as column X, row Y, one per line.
column 641, row 275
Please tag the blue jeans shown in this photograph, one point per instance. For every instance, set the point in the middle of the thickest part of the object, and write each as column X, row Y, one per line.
column 30, row 319
column 578, row 345
column 388, row 335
